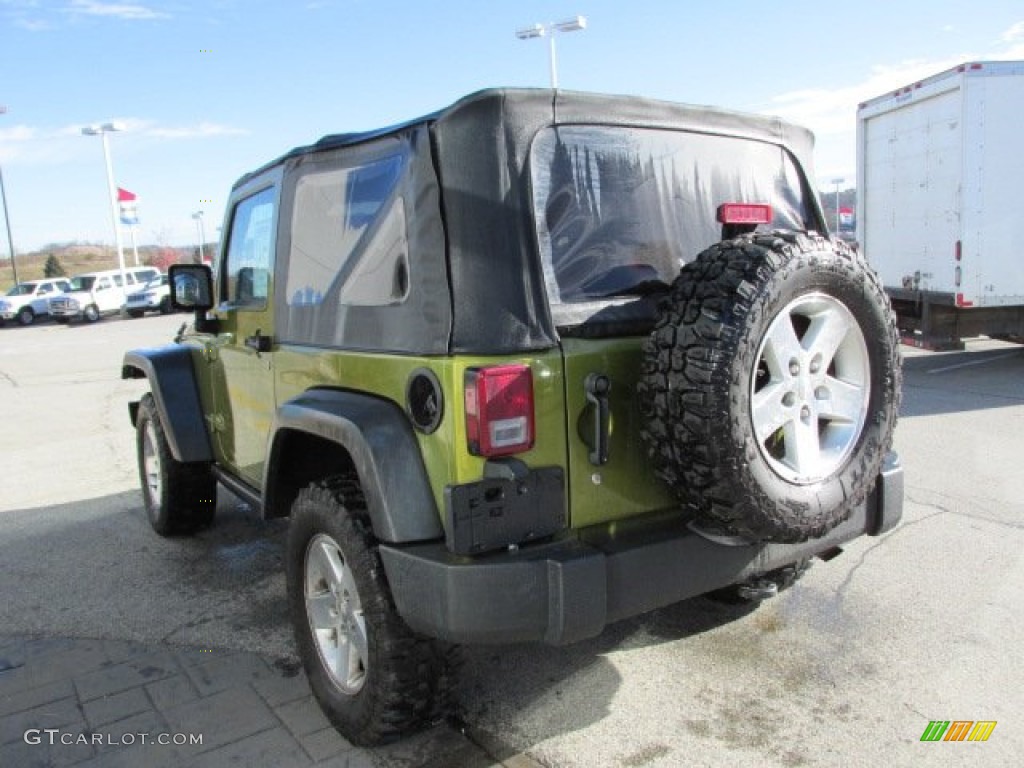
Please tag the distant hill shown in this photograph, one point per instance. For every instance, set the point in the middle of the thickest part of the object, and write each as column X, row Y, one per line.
column 76, row 258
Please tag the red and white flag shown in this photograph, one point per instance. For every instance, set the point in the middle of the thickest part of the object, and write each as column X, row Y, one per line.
column 127, row 201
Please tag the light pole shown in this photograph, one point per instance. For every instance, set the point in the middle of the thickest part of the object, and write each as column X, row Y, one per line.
column 7, row 218
column 102, row 131
column 837, row 182
column 198, row 216
column 575, row 24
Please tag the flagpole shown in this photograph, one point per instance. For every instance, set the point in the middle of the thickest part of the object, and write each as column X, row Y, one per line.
column 135, row 248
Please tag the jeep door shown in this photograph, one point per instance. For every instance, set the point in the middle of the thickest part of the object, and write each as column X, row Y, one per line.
column 239, row 359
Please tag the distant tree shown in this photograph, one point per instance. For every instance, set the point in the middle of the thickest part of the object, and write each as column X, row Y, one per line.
column 53, row 267
column 163, row 258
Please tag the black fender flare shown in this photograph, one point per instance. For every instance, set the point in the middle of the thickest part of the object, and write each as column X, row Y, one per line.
column 378, row 437
column 172, row 381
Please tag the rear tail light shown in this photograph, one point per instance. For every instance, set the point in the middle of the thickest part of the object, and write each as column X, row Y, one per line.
column 499, row 410
column 744, row 213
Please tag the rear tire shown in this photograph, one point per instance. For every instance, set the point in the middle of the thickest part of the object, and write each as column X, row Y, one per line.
column 180, row 498
column 375, row 679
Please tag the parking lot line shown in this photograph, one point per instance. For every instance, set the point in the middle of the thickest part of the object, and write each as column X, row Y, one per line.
column 971, row 363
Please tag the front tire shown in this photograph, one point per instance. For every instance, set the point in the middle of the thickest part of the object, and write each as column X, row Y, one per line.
column 26, row 316
column 374, row 678
column 91, row 313
column 180, row 498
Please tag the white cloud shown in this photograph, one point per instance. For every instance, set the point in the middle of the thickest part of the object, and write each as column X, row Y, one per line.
column 30, row 146
column 831, row 113
column 1014, row 33
column 200, row 131
column 33, row 25
column 17, row 133
column 119, row 10
column 834, row 110
column 136, row 126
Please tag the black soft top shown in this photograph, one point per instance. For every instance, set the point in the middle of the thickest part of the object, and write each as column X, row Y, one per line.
column 527, row 106
column 479, row 149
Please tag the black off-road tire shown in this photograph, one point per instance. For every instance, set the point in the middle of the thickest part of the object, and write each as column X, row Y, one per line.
column 706, row 365
column 26, row 316
column 405, row 681
column 180, row 498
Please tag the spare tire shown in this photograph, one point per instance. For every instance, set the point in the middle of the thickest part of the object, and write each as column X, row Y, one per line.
column 771, row 385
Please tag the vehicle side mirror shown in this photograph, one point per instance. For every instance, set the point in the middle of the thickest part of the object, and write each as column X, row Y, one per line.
column 191, row 286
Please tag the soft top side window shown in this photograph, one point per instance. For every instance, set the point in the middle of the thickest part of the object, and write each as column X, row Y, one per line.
column 348, row 237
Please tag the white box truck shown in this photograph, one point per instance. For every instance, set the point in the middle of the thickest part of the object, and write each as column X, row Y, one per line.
column 940, row 201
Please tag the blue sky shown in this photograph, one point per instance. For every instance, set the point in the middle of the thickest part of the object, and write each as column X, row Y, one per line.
column 209, row 90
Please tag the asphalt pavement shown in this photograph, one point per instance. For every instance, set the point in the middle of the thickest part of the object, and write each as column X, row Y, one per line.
column 118, row 647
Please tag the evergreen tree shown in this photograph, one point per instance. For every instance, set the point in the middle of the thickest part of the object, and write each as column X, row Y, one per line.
column 53, row 267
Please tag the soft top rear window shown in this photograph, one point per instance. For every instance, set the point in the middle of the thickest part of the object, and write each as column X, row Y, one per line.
column 619, row 210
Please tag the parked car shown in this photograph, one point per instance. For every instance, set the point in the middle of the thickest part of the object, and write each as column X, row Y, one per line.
column 517, row 370
column 28, row 300
column 155, row 296
column 93, row 295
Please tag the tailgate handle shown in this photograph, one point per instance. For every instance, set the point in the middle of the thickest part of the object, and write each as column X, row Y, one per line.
column 258, row 342
column 597, row 387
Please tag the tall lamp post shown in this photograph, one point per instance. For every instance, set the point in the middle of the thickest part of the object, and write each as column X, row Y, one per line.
column 198, row 216
column 575, row 24
column 7, row 218
column 837, row 182
column 102, row 131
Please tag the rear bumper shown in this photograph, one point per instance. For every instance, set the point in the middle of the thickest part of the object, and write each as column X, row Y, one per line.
column 569, row 590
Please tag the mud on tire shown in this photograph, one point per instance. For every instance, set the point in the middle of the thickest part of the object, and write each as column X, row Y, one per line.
column 771, row 385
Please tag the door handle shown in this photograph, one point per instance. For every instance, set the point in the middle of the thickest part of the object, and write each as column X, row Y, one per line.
column 258, row 342
column 597, row 387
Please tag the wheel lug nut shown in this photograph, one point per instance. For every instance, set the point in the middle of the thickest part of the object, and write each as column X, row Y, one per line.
column 788, row 399
column 805, row 413
column 794, row 367
column 821, row 393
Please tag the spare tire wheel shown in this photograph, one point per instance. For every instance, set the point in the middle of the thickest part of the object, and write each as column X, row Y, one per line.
column 771, row 385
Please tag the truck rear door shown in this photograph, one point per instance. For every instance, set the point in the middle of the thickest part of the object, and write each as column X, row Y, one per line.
column 618, row 210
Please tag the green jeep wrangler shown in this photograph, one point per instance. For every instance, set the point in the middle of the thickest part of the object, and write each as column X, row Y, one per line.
column 518, row 369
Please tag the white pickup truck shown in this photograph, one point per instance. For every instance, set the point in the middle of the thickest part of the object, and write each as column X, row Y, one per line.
column 99, row 293
column 28, row 300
